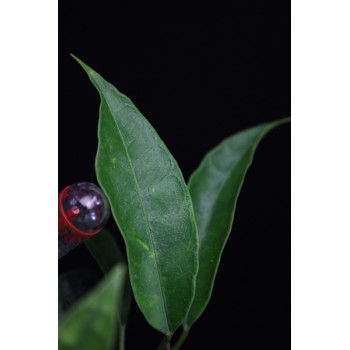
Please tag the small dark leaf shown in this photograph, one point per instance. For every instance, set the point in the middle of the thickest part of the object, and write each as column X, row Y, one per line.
column 104, row 249
column 73, row 285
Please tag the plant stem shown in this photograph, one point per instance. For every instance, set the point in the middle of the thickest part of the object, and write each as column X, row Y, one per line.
column 122, row 337
column 181, row 339
column 165, row 343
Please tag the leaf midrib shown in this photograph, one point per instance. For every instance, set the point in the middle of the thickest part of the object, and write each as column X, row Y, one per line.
column 150, row 235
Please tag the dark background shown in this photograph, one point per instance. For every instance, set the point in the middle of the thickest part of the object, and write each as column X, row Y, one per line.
column 198, row 74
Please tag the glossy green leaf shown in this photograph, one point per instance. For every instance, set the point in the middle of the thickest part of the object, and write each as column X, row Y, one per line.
column 151, row 205
column 92, row 322
column 214, row 189
column 73, row 285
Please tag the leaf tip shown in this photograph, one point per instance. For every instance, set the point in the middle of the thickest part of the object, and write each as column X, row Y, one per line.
column 285, row 120
column 87, row 69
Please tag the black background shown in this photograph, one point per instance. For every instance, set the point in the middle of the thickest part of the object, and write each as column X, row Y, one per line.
column 198, row 74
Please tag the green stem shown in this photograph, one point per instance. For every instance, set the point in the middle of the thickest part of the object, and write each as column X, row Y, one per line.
column 165, row 343
column 181, row 339
column 122, row 337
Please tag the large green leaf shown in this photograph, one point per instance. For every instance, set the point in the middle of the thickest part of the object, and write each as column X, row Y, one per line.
column 92, row 322
column 151, row 205
column 214, row 189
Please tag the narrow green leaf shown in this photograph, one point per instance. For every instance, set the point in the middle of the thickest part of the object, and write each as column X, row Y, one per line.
column 73, row 285
column 151, row 205
column 92, row 322
column 214, row 189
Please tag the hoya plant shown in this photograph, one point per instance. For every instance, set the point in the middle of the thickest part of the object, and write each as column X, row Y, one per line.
column 174, row 232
